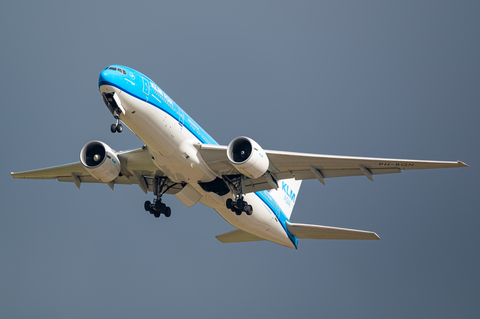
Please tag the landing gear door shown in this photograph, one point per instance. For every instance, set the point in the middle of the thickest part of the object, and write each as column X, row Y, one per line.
column 119, row 103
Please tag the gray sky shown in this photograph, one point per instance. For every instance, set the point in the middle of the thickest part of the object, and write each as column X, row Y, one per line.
column 363, row 78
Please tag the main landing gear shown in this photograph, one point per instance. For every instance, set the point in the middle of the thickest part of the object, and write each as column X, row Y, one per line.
column 117, row 127
column 238, row 206
column 158, row 207
column 236, row 184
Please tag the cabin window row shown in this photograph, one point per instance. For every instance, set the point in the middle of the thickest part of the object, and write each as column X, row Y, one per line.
column 117, row 69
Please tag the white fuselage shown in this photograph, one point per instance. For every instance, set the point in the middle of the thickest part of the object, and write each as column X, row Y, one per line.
column 172, row 149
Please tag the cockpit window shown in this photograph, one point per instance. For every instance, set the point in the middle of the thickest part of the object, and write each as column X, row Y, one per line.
column 117, row 69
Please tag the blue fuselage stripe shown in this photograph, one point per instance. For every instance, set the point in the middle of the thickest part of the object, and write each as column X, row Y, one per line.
column 174, row 111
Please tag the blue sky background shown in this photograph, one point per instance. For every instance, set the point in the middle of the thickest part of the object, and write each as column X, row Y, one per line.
column 360, row 78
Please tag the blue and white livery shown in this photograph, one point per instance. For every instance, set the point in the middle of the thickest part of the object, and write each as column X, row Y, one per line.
column 253, row 189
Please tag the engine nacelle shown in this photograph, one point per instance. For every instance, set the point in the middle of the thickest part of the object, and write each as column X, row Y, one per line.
column 248, row 157
column 100, row 161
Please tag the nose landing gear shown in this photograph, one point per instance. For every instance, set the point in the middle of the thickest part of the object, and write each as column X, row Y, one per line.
column 117, row 127
column 116, row 108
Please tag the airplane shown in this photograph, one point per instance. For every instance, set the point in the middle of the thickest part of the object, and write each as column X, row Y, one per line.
column 253, row 189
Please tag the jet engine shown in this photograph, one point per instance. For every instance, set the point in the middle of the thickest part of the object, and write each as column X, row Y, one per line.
column 100, row 161
column 247, row 157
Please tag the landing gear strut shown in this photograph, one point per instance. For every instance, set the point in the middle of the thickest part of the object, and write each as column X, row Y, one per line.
column 158, row 207
column 237, row 186
column 116, row 109
column 117, row 127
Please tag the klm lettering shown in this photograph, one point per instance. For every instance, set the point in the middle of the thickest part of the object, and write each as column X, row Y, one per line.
column 288, row 191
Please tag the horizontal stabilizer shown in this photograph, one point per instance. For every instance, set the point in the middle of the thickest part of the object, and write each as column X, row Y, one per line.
column 237, row 236
column 306, row 231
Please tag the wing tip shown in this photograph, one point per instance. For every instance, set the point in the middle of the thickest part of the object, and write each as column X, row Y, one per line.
column 462, row 164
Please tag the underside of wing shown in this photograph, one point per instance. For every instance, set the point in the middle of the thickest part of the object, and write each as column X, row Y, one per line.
column 302, row 166
column 136, row 168
column 237, row 236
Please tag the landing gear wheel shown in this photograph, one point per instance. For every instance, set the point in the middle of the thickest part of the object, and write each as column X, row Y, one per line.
column 168, row 212
column 159, row 206
column 119, row 128
column 156, row 213
column 147, row 205
column 113, row 128
column 241, row 204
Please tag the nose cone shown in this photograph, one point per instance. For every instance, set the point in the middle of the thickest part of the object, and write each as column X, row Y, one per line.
column 107, row 77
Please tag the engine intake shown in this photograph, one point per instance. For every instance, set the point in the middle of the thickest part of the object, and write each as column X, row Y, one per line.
column 248, row 157
column 100, row 161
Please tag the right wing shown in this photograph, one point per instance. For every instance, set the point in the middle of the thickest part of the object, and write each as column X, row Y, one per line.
column 302, row 166
column 137, row 168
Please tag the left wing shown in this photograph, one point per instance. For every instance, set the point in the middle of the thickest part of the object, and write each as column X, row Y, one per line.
column 137, row 168
column 302, row 166
column 237, row 236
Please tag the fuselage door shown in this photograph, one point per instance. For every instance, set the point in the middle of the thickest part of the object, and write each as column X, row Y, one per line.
column 181, row 117
column 146, row 86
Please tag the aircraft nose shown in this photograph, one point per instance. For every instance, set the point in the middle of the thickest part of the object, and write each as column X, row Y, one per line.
column 106, row 77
